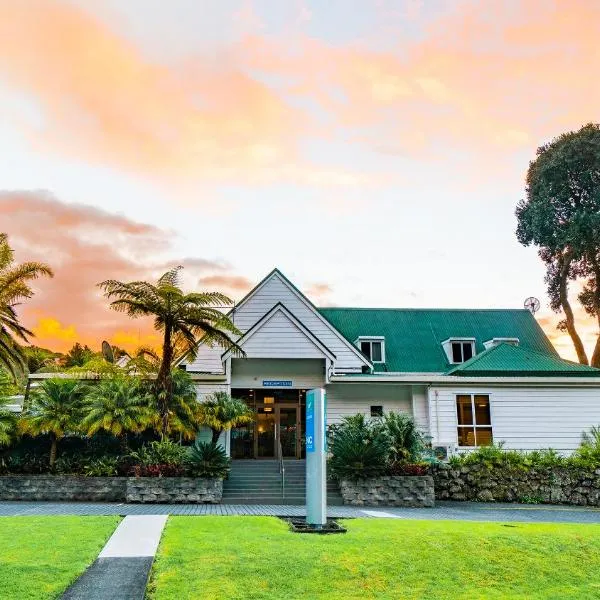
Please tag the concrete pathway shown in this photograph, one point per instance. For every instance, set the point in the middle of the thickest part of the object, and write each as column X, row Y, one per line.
column 122, row 569
column 467, row 511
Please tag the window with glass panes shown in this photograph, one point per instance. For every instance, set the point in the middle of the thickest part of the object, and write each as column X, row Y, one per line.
column 474, row 420
column 462, row 351
column 372, row 349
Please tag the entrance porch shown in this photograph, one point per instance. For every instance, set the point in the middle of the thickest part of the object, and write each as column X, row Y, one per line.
column 280, row 416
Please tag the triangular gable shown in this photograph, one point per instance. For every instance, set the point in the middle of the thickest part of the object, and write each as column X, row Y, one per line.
column 507, row 359
column 276, row 289
column 279, row 334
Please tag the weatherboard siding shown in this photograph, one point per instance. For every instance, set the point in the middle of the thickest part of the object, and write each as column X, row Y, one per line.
column 252, row 372
column 282, row 339
column 276, row 290
column 344, row 400
column 204, row 389
column 524, row 418
column 420, row 409
column 279, row 337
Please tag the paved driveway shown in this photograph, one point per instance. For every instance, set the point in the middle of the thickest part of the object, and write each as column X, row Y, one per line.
column 467, row 511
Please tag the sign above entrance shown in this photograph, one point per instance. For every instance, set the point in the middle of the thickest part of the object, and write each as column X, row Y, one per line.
column 277, row 383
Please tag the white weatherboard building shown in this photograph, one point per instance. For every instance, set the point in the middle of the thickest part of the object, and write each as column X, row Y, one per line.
column 469, row 377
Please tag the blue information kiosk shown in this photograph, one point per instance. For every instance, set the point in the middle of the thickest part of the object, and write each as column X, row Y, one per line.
column 316, row 465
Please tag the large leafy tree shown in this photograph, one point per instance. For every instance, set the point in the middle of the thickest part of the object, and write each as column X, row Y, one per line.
column 78, row 355
column 220, row 412
column 182, row 318
column 54, row 409
column 561, row 216
column 15, row 287
column 117, row 405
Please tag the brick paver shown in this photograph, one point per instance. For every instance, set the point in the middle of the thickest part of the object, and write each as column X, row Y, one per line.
column 468, row 511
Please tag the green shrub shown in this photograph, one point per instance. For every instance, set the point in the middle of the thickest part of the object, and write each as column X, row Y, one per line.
column 102, row 467
column 207, row 459
column 359, row 448
column 406, row 442
column 164, row 452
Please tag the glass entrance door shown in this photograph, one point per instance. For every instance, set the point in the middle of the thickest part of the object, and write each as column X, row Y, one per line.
column 288, row 430
column 264, row 441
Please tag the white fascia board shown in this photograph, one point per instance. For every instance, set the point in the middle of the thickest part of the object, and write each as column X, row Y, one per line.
column 281, row 308
column 432, row 379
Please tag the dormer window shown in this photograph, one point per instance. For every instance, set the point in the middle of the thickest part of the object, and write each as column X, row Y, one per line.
column 372, row 347
column 459, row 350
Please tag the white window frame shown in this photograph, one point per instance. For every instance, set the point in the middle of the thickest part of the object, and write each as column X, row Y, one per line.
column 372, row 338
column 513, row 341
column 447, row 345
column 474, row 426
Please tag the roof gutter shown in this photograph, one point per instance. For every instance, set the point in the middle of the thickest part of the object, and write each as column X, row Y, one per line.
column 454, row 380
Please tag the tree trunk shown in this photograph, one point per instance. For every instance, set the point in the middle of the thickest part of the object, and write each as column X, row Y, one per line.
column 565, row 264
column 215, row 436
column 53, row 448
column 164, row 383
column 595, row 362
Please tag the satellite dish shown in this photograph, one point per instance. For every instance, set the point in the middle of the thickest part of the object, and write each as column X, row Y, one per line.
column 532, row 304
column 107, row 352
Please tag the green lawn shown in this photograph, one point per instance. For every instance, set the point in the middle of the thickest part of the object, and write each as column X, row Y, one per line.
column 41, row 556
column 257, row 557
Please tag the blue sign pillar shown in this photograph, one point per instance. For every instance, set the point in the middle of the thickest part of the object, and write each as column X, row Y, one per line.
column 316, row 466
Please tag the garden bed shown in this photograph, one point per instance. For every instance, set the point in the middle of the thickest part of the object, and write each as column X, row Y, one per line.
column 407, row 491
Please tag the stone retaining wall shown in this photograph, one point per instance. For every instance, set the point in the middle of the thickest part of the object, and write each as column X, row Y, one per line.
column 483, row 483
column 73, row 488
column 174, row 490
column 410, row 491
column 62, row 488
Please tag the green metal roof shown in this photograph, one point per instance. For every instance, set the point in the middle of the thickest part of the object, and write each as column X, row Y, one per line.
column 506, row 360
column 413, row 337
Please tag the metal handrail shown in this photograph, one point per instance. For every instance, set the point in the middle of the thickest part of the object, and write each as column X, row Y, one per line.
column 281, row 467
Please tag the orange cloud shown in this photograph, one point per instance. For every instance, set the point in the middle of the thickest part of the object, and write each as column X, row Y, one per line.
column 84, row 246
column 489, row 77
column 230, row 283
column 102, row 99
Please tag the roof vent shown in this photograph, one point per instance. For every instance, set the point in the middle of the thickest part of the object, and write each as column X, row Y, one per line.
column 500, row 340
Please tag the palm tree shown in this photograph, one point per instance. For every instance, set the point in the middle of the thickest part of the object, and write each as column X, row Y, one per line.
column 8, row 419
column 55, row 409
column 14, row 287
column 182, row 318
column 117, row 405
column 220, row 412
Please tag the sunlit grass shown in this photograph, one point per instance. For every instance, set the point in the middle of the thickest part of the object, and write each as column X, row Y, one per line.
column 258, row 557
column 41, row 556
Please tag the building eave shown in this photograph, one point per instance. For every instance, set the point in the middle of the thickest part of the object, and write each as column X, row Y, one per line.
column 440, row 379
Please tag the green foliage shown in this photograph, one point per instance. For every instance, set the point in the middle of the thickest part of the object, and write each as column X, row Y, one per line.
column 587, row 456
column 14, row 288
column 102, row 467
column 220, row 412
column 78, row 355
column 54, row 408
column 182, row 318
column 164, row 452
column 39, row 359
column 208, row 460
column 405, row 439
column 182, row 409
column 359, row 448
column 561, row 215
column 118, row 406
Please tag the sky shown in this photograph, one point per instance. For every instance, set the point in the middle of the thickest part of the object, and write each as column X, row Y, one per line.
column 373, row 150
